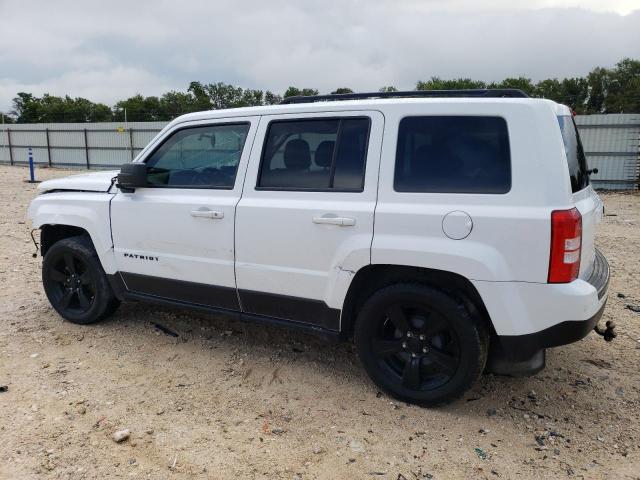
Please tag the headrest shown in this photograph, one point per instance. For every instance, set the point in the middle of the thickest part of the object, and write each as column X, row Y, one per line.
column 297, row 155
column 324, row 153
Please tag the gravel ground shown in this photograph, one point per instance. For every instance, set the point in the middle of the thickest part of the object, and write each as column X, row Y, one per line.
column 231, row 400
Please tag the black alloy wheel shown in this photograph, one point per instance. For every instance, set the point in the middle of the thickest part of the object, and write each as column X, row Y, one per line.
column 75, row 283
column 419, row 344
column 76, row 287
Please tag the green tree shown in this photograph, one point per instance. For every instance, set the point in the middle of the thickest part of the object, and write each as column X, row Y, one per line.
column 436, row 83
column 623, row 87
column 49, row 108
column 297, row 92
column 7, row 118
column 341, row 90
column 550, row 88
column 388, row 88
column 139, row 109
column 251, row 98
column 201, row 98
column 574, row 94
column 26, row 108
column 271, row 98
column 173, row 104
column 521, row 83
column 597, row 82
column 222, row 95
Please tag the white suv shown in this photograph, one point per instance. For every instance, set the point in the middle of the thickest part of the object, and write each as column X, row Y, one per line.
column 443, row 231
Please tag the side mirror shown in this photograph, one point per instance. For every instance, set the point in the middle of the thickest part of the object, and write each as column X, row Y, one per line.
column 132, row 176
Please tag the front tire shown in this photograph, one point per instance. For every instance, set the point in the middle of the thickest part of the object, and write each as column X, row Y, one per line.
column 75, row 283
column 419, row 344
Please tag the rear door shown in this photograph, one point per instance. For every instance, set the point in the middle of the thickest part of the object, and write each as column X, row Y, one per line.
column 584, row 197
column 304, row 224
column 174, row 238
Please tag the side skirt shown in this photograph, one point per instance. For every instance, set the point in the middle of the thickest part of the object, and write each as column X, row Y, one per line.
column 121, row 291
column 188, row 292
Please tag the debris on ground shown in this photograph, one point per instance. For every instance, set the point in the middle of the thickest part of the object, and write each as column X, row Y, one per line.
column 100, row 420
column 165, row 330
column 356, row 446
column 481, row 453
column 4, row 388
column 633, row 308
column 598, row 362
column 121, row 435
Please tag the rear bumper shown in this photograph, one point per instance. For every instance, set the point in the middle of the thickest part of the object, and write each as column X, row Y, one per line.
column 599, row 276
column 522, row 347
column 532, row 317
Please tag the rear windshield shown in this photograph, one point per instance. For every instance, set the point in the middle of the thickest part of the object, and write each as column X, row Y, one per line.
column 576, row 159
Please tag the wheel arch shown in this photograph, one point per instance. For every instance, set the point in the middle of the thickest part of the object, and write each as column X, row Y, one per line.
column 373, row 277
column 66, row 214
column 52, row 233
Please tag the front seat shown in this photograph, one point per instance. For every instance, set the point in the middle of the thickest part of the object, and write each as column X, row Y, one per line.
column 324, row 154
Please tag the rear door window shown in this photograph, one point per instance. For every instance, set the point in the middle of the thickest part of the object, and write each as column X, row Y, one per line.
column 576, row 159
column 453, row 154
column 315, row 154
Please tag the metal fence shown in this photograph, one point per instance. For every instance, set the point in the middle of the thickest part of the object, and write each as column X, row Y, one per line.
column 76, row 145
column 612, row 144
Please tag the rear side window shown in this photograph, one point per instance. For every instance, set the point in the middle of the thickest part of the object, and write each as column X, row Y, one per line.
column 576, row 159
column 315, row 154
column 453, row 154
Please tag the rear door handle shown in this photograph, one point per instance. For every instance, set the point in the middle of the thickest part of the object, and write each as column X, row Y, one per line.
column 207, row 213
column 341, row 221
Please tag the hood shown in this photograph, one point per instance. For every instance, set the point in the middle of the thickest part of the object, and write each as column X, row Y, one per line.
column 87, row 182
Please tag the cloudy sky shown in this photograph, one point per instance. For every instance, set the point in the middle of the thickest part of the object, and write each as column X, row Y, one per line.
column 109, row 50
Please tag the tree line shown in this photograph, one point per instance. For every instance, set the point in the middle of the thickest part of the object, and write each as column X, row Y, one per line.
column 603, row 90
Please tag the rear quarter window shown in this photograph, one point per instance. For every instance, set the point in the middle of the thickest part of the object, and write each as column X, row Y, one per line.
column 453, row 154
column 576, row 159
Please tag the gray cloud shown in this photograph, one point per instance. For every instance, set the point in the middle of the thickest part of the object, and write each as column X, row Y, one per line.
column 110, row 50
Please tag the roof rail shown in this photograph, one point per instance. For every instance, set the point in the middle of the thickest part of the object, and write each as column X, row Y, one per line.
column 478, row 93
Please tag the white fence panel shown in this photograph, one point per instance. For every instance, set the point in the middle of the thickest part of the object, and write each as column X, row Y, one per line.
column 611, row 143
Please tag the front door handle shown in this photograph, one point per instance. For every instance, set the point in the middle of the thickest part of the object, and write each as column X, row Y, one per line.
column 207, row 213
column 341, row 221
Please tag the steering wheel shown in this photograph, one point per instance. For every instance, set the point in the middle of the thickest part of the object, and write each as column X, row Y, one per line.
column 210, row 176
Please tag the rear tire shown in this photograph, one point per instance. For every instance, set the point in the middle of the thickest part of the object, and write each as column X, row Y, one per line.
column 75, row 283
column 419, row 344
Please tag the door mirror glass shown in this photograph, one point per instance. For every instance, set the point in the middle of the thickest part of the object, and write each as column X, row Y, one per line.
column 132, row 176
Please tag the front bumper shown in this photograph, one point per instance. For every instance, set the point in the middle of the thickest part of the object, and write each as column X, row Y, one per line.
column 522, row 347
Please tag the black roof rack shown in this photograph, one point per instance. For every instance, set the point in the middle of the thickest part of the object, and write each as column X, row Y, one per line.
column 477, row 93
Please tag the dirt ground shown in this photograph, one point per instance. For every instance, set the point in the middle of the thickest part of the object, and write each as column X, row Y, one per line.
column 232, row 400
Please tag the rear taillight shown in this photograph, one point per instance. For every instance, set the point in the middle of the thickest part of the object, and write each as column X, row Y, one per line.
column 566, row 243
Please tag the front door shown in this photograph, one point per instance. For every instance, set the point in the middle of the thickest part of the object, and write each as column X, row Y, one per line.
column 174, row 238
column 305, row 220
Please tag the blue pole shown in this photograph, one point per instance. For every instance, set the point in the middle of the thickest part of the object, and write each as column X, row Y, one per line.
column 31, row 173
